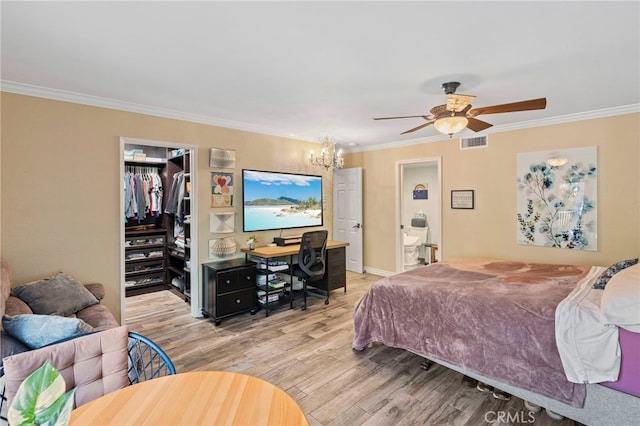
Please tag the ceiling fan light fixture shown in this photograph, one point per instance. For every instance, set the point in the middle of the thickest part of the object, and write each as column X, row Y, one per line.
column 451, row 124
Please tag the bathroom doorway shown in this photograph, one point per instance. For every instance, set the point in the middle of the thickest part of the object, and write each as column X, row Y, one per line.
column 419, row 195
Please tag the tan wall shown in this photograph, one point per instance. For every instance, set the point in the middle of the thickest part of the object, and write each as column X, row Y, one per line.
column 490, row 229
column 61, row 187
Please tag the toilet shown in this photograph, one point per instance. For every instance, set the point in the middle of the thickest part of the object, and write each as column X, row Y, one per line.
column 414, row 238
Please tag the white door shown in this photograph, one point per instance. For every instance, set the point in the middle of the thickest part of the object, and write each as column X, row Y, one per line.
column 347, row 214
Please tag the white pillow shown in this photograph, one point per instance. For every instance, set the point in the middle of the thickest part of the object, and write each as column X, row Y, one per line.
column 620, row 303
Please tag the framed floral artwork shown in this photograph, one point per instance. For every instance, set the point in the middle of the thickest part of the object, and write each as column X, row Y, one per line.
column 221, row 189
column 557, row 198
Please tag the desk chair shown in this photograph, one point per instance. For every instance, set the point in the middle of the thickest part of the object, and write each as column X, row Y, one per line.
column 311, row 261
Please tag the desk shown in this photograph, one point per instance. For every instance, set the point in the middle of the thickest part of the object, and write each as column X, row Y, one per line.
column 194, row 398
column 335, row 275
column 267, row 252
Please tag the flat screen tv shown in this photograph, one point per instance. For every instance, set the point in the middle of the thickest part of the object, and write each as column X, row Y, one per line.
column 276, row 200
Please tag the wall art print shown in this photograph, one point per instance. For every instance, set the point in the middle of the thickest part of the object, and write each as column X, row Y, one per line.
column 222, row 247
column 222, row 158
column 557, row 198
column 221, row 189
column 421, row 192
column 221, row 222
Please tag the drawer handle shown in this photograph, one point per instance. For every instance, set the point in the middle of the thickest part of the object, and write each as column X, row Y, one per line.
column 228, row 281
column 248, row 277
column 237, row 301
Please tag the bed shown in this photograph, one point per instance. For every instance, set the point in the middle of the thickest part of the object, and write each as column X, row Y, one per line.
column 495, row 321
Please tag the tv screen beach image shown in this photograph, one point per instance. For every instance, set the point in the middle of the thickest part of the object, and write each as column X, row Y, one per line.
column 274, row 200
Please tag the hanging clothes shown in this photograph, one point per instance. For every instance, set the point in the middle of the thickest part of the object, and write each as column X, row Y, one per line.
column 142, row 193
column 176, row 196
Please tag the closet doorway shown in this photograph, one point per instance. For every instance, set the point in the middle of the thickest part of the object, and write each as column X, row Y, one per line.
column 158, row 246
column 419, row 195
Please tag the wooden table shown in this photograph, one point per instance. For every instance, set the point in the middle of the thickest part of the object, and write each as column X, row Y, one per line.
column 194, row 398
column 269, row 252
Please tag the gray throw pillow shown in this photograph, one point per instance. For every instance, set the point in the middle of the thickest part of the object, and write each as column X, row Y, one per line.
column 57, row 295
column 37, row 331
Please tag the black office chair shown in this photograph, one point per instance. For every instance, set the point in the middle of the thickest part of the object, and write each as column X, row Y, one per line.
column 311, row 261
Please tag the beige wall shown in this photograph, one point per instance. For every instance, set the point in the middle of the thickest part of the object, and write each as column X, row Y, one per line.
column 61, row 187
column 490, row 229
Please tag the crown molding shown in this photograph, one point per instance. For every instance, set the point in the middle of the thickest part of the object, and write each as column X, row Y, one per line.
column 97, row 101
column 79, row 98
column 589, row 115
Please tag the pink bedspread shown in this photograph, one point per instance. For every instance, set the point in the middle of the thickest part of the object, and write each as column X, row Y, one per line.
column 495, row 318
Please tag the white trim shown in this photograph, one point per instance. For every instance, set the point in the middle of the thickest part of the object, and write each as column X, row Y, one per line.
column 399, row 167
column 196, row 296
column 374, row 271
column 79, row 98
column 97, row 101
column 589, row 115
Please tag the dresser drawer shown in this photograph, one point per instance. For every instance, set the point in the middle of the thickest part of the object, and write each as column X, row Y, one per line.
column 247, row 278
column 237, row 301
column 234, row 280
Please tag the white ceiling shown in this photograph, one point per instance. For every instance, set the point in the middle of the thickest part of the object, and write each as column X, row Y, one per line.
column 306, row 69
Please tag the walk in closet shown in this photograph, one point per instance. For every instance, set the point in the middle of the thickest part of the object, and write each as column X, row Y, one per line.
column 157, row 217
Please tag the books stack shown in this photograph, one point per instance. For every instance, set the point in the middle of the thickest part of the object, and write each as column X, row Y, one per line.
column 264, row 298
column 274, row 265
column 277, row 284
column 261, row 279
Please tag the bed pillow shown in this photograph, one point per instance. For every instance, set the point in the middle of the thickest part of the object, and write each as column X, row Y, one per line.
column 620, row 303
column 604, row 278
column 58, row 295
column 36, row 331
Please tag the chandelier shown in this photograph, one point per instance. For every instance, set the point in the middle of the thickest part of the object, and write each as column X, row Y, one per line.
column 329, row 158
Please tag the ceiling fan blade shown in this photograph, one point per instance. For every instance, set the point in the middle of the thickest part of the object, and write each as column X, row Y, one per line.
column 418, row 128
column 540, row 103
column 426, row 117
column 458, row 103
column 477, row 125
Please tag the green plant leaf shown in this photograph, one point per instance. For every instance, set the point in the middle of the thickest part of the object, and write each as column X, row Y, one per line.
column 60, row 412
column 41, row 399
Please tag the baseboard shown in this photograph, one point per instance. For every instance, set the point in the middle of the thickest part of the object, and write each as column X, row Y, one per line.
column 380, row 272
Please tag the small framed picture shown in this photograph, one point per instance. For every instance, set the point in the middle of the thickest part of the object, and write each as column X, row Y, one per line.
column 221, row 189
column 462, row 199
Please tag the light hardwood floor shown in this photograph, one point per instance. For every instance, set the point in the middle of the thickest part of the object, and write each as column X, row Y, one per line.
column 309, row 355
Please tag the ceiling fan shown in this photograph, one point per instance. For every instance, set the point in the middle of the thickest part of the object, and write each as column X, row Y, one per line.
column 457, row 114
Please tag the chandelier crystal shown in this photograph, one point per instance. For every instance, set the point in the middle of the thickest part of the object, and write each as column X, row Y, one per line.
column 329, row 157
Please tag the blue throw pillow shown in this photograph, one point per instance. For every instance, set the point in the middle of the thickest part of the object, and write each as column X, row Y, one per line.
column 37, row 331
column 604, row 278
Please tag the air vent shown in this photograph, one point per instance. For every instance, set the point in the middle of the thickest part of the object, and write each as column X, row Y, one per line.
column 475, row 142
